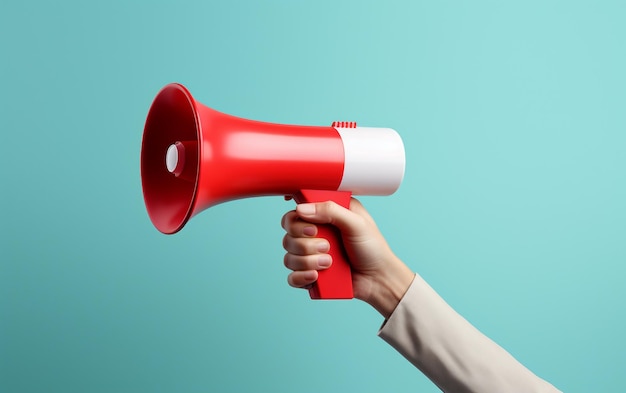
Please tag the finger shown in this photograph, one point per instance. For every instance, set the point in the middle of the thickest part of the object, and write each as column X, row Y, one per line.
column 305, row 246
column 302, row 279
column 287, row 219
column 296, row 227
column 359, row 209
column 307, row 262
column 347, row 221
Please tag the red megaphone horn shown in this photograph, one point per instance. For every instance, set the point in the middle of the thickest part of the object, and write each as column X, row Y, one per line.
column 194, row 157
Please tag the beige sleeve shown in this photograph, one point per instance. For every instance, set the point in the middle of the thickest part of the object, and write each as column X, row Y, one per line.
column 450, row 351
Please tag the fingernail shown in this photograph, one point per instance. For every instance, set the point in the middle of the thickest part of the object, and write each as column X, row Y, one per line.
column 323, row 247
column 307, row 209
column 324, row 260
column 309, row 231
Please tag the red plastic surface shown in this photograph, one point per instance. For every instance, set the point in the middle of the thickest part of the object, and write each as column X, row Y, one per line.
column 344, row 124
column 336, row 281
column 228, row 158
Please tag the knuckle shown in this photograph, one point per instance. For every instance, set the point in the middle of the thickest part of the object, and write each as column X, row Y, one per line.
column 290, row 280
column 329, row 211
column 327, row 206
column 287, row 221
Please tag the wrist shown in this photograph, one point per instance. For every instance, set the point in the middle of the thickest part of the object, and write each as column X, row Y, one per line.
column 389, row 287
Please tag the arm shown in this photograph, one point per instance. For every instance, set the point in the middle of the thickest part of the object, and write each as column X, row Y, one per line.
column 450, row 351
column 418, row 322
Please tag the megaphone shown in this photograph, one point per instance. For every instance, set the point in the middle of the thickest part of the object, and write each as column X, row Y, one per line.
column 194, row 157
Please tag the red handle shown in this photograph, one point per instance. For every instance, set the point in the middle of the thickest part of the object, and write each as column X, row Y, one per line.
column 336, row 281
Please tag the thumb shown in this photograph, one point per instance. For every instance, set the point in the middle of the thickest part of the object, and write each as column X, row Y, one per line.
column 348, row 222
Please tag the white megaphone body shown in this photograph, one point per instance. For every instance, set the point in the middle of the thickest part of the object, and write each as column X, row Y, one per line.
column 194, row 157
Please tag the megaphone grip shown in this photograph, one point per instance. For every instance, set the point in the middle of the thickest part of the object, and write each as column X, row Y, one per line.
column 336, row 281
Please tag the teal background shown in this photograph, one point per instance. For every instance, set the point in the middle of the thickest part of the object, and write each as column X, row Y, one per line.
column 512, row 207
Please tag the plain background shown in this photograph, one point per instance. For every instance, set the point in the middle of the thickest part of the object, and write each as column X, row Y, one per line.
column 512, row 207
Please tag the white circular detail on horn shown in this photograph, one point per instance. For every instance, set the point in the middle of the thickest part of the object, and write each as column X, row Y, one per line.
column 175, row 158
column 374, row 160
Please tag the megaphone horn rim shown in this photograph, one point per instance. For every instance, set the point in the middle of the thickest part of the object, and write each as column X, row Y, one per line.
column 159, row 191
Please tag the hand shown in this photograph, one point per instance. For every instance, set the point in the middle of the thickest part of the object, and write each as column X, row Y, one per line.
column 378, row 276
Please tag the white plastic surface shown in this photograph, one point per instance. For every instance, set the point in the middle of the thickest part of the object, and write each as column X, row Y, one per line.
column 171, row 158
column 374, row 160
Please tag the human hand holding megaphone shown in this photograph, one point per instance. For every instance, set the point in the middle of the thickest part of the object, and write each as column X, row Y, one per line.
column 194, row 157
